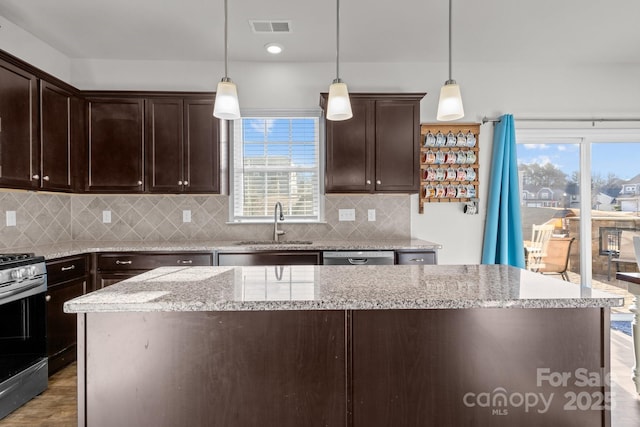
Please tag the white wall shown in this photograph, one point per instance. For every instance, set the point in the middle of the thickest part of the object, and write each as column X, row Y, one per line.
column 491, row 89
column 25, row 46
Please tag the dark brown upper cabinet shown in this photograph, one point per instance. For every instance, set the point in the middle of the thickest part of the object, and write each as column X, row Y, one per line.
column 57, row 114
column 182, row 152
column 19, row 148
column 202, row 146
column 116, row 145
column 378, row 149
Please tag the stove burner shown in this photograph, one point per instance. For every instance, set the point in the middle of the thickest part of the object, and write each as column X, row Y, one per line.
column 15, row 257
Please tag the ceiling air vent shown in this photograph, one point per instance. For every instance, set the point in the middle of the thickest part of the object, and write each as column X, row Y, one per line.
column 270, row 26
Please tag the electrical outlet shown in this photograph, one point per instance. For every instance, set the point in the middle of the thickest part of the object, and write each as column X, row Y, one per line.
column 106, row 217
column 346, row 214
column 186, row 216
column 11, row 218
column 371, row 214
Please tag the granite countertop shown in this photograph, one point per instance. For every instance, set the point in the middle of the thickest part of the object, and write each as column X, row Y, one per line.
column 59, row 250
column 338, row 288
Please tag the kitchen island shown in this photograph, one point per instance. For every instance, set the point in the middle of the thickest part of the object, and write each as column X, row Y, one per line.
column 343, row 346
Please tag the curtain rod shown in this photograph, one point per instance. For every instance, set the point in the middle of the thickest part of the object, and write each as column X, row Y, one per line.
column 524, row 119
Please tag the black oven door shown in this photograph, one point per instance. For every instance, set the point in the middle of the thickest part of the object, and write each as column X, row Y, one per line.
column 23, row 340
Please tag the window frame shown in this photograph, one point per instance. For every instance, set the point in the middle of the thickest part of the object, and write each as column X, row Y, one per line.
column 584, row 137
column 278, row 114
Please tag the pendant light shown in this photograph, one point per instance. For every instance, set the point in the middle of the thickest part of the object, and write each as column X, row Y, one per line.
column 338, row 104
column 450, row 104
column 226, row 106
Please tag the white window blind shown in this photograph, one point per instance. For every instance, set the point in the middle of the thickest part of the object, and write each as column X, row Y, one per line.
column 276, row 159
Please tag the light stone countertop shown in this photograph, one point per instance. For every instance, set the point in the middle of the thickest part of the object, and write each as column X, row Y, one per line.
column 59, row 250
column 338, row 288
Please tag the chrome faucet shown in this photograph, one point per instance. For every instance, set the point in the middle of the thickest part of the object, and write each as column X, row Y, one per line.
column 277, row 232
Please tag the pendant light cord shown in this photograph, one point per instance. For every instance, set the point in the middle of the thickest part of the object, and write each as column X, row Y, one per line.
column 226, row 43
column 450, row 8
column 337, row 40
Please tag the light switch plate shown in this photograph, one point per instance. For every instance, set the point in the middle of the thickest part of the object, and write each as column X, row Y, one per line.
column 186, row 216
column 11, row 218
column 371, row 214
column 106, row 217
column 346, row 214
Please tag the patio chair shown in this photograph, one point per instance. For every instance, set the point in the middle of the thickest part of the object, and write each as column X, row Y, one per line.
column 556, row 260
column 536, row 249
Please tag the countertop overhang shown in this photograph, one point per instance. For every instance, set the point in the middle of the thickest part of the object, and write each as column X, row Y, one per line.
column 179, row 289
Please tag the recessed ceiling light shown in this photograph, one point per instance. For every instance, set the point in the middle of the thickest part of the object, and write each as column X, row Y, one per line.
column 273, row 48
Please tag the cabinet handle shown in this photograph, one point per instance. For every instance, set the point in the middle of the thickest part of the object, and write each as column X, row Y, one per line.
column 368, row 182
column 186, row 182
column 47, row 298
column 417, row 260
column 179, row 182
column 123, row 262
column 71, row 267
column 139, row 182
column 36, row 176
column 45, row 178
column 185, row 261
column 378, row 182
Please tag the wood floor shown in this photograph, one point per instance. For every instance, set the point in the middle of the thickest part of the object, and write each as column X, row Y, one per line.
column 56, row 407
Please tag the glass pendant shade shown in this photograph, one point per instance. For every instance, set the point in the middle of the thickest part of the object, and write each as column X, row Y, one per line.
column 226, row 106
column 450, row 104
column 338, row 104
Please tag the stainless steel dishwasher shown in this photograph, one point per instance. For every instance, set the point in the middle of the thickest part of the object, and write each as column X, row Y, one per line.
column 358, row 258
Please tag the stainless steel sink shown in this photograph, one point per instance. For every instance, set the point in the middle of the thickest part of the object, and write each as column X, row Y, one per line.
column 271, row 242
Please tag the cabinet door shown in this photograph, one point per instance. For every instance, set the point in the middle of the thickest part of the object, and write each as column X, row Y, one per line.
column 397, row 146
column 55, row 137
column 267, row 369
column 201, row 147
column 107, row 279
column 19, row 149
column 164, row 150
column 416, row 257
column 125, row 261
column 350, row 150
column 116, row 142
column 61, row 326
column 79, row 146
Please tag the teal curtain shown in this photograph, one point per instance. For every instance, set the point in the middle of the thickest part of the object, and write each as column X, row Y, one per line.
column 503, row 227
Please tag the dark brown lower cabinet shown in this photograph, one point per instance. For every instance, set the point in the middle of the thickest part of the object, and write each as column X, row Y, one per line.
column 114, row 267
column 67, row 278
column 279, row 369
column 107, row 279
column 421, row 257
column 415, row 368
column 61, row 326
column 361, row 368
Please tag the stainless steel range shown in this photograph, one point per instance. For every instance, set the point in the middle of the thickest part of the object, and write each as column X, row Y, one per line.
column 23, row 337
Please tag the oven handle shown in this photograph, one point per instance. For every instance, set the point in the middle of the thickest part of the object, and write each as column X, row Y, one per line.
column 13, row 292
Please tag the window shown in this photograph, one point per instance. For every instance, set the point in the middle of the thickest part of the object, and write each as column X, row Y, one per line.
column 276, row 159
column 591, row 173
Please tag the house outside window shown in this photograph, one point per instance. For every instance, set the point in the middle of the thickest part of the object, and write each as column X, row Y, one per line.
column 276, row 158
column 588, row 171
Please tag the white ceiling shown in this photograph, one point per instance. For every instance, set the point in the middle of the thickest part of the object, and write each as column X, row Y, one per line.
column 557, row 31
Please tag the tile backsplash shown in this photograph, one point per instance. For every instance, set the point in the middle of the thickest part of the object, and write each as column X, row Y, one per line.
column 44, row 218
column 41, row 218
